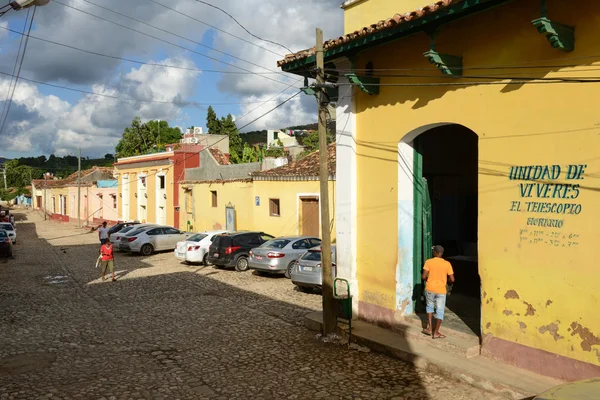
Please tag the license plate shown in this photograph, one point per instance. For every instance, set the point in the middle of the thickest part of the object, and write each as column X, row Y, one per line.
column 259, row 257
column 216, row 255
column 307, row 269
column 180, row 254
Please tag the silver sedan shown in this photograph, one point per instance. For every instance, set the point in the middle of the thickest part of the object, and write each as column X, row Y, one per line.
column 307, row 272
column 277, row 256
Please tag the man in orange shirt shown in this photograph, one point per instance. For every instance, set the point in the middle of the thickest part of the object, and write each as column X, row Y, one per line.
column 436, row 273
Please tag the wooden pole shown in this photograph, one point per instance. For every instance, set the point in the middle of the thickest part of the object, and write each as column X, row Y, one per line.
column 329, row 317
column 79, row 188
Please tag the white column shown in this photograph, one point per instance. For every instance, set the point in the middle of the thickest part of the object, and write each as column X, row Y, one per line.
column 346, row 183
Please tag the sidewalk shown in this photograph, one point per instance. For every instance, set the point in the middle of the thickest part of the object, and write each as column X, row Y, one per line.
column 439, row 357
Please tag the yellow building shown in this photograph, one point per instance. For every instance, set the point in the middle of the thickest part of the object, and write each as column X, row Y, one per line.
column 470, row 124
column 280, row 201
column 145, row 188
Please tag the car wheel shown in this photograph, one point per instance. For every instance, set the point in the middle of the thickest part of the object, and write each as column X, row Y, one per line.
column 242, row 264
column 146, row 249
column 205, row 260
column 288, row 271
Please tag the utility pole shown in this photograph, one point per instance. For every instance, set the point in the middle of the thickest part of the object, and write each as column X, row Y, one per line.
column 79, row 187
column 329, row 317
column 4, row 173
column 45, row 180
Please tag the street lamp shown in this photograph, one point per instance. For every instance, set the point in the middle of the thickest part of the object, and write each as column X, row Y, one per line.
column 21, row 4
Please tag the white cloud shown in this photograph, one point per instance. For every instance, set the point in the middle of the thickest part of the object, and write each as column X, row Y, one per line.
column 95, row 123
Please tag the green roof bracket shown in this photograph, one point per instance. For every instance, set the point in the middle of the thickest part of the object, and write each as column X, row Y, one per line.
column 560, row 36
column 367, row 84
column 449, row 64
column 307, row 89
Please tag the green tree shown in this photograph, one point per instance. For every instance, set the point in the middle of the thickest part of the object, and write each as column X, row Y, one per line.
column 311, row 142
column 250, row 154
column 143, row 138
column 236, row 148
column 109, row 156
column 213, row 125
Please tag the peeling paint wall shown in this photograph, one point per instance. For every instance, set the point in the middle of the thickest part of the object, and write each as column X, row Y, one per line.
column 539, row 280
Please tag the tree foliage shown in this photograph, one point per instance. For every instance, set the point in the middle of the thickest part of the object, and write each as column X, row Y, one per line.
column 143, row 138
column 311, row 142
column 236, row 147
column 213, row 124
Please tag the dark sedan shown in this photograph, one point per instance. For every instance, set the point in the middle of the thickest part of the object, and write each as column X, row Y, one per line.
column 6, row 246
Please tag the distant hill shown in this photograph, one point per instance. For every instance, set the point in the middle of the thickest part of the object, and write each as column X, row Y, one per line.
column 3, row 160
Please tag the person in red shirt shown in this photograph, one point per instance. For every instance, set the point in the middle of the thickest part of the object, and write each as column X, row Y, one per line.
column 106, row 251
column 437, row 272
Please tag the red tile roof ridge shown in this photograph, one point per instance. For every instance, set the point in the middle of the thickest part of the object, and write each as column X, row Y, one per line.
column 219, row 156
column 381, row 25
column 306, row 166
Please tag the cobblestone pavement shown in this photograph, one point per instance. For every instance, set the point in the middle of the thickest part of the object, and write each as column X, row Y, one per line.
column 166, row 330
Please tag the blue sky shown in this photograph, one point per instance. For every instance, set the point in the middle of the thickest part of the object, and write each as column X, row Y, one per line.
column 46, row 120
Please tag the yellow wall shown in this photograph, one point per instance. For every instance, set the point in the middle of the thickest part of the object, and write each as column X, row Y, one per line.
column 366, row 12
column 249, row 216
column 135, row 172
column 550, row 124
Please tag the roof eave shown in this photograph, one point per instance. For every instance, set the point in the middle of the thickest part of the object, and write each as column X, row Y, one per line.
column 408, row 28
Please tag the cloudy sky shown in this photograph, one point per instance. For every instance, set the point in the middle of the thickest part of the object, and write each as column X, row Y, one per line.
column 207, row 65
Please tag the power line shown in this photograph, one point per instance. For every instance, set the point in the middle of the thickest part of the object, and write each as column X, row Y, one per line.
column 18, row 71
column 270, row 111
column 216, row 28
column 243, row 27
column 16, row 64
column 189, row 103
column 181, row 37
column 266, row 101
column 165, row 41
column 137, row 61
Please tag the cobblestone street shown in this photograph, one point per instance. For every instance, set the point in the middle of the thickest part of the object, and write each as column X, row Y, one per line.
column 166, row 330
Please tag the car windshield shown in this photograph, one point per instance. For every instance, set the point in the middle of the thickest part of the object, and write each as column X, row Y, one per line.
column 3, row 234
column 126, row 229
column 197, row 237
column 7, row 227
column 312, row 255
column 137, row 231
column 276, row 243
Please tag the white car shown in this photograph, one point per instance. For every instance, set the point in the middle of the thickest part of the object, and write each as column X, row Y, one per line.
column 195, row 248
column 115, row 238
column 10, row 230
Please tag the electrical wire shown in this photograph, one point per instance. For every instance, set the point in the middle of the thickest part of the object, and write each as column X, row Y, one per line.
column 216, row 28
column 183, row 37
column 137, row 61
column 270, row 111
column 166, row 41
column 15, row 66
column 243, row 27
column 18, row 71
column 187, row 104
column 265, row 102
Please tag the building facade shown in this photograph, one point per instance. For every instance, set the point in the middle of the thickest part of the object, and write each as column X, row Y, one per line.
column 462, row 126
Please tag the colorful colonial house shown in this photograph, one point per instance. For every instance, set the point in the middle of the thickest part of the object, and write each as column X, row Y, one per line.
column 280, row 201
column 149, row 184
column 471, row 124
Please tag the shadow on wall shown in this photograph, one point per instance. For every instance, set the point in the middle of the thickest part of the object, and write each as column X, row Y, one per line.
column 155, row 320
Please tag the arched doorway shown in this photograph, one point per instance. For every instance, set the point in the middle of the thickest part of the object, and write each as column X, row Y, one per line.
column 438, row 205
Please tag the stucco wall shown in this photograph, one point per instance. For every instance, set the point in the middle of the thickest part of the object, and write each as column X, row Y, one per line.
column 211, row 170
column 249, row 216
column 536, row 293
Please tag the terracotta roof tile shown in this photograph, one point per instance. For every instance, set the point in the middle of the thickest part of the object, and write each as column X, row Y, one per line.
column 392, row 22
column 221, row 158
column 306, row 166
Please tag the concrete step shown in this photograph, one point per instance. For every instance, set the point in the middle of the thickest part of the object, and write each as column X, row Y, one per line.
column 489, row 375
column 454, row 343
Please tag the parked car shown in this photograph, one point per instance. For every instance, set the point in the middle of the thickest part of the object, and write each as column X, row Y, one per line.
column 115, row 239
column 233, row 249
column 195, row 248
column 580, row 390
column 277, row 256
column 307, row 272
column 118, row 227
column 147, row 240
column 6, row 246
column 10, row 230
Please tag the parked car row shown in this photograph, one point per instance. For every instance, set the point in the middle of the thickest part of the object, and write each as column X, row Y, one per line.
column 296, row 257
column 8, row 238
